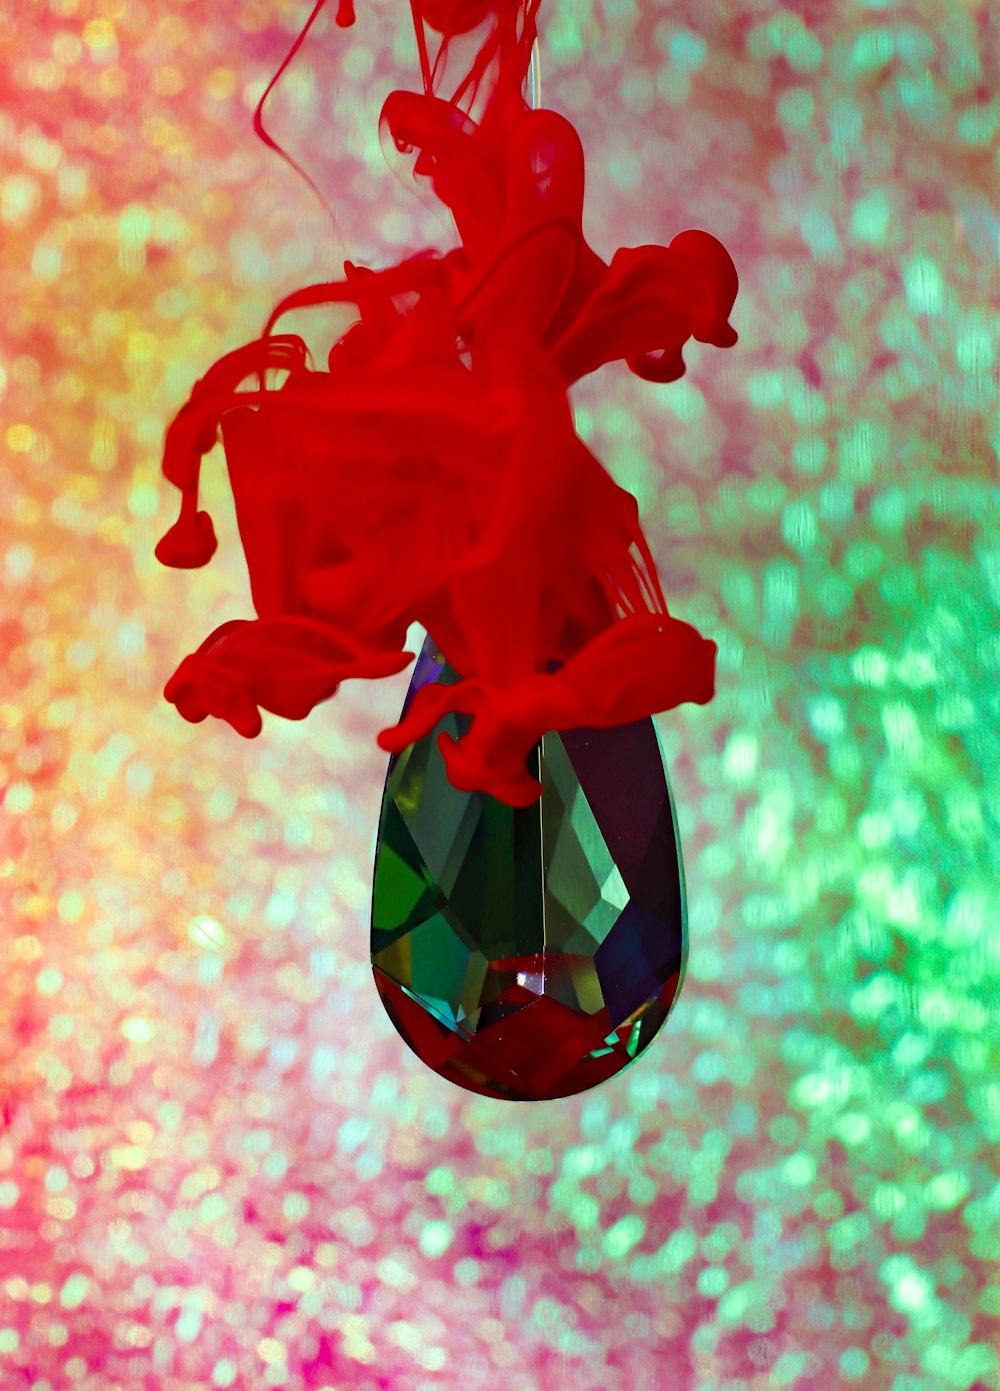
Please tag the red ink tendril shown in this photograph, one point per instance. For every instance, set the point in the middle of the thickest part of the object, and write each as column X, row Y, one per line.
column 432, row 473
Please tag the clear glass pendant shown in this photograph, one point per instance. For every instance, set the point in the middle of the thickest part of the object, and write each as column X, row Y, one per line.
column 529, row 953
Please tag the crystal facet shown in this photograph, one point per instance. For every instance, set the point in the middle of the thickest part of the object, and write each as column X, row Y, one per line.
column 529, row 953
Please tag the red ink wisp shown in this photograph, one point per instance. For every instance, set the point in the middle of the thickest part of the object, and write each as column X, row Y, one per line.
column 432, row 472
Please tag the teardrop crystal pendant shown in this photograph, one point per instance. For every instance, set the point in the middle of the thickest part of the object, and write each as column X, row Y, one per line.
column 529, row 953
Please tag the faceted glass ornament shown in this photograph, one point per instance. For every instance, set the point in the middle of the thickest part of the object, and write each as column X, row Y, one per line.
column 529, row 953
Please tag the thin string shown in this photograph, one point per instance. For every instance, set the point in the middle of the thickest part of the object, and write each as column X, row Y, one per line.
column 344, row 16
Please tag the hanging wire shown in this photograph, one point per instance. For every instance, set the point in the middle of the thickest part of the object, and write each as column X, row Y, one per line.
column 258, row 115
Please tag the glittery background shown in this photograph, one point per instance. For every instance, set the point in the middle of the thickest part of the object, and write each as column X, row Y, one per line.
column 219, row 1166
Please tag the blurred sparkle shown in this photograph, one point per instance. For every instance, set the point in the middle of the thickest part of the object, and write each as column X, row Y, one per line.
column 219, row 1165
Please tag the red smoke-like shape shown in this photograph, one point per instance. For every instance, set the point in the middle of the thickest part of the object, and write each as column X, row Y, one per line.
column 433, row 472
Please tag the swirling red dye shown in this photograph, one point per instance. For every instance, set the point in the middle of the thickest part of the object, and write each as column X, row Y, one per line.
column 432, row 473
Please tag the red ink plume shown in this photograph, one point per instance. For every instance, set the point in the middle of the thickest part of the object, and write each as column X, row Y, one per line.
column 432, row 472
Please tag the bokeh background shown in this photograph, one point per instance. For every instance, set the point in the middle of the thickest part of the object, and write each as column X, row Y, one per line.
column 219, row 1165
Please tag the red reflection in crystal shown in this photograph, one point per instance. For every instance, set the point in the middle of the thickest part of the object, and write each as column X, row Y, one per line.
column 539, row 1051
column 432, row 472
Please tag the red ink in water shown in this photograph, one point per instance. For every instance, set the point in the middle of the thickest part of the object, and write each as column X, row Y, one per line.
column 432, row 473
